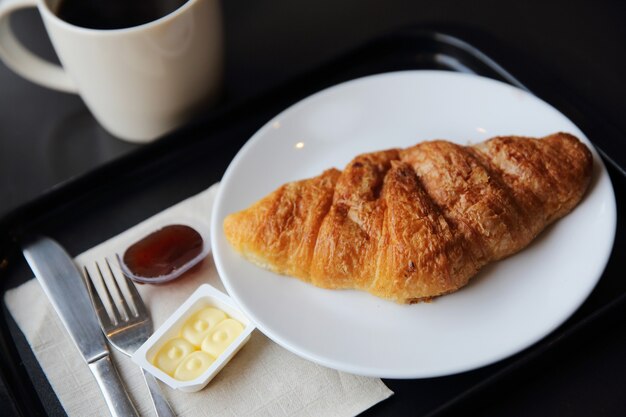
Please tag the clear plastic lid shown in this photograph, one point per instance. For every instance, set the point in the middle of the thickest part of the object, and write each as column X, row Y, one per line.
column 165, row 253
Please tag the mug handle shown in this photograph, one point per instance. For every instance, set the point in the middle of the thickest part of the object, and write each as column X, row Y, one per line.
column 24, row 62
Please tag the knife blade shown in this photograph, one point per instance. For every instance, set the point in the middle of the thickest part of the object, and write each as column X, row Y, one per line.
column 65, row 287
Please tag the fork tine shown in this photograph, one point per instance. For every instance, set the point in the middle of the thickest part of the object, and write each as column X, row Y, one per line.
column 140, row 307
column 125, row 310
column 136, row 297
column 123, row 285
column 101, row 310
column 116, row 315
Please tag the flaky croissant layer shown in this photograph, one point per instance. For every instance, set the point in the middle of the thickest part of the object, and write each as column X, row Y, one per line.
column 412, row 224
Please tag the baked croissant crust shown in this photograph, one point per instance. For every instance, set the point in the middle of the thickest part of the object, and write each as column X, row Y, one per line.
column 412, row 224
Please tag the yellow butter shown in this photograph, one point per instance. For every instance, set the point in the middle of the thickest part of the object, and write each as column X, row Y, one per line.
column 193, row 366
column 203, row 337
column 172, row 354
column 200, row 324
column 221, row 336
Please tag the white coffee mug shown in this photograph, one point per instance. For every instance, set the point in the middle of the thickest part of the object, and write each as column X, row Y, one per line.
column 139, row 82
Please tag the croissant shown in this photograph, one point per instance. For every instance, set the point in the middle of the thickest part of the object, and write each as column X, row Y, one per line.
column 416, row 223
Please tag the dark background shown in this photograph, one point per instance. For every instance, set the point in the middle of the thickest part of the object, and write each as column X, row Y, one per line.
column 268, row 42
column 47, row 138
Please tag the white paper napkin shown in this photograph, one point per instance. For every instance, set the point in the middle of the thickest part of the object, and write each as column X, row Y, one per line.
column 263, row 379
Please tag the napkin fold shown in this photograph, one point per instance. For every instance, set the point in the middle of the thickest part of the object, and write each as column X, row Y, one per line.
column 263, row 379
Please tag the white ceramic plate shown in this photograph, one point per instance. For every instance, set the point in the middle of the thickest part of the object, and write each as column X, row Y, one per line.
column 510, row 304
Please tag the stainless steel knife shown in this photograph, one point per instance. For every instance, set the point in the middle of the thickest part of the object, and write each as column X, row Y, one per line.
column 65, row 287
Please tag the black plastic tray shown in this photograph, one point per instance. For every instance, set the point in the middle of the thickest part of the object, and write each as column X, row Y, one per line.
column 112, row 198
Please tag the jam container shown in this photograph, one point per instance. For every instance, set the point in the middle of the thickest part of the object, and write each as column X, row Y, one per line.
column 205, row 298
column 166, row 252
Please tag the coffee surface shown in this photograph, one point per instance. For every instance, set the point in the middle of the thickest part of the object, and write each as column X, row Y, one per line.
column 114, row 14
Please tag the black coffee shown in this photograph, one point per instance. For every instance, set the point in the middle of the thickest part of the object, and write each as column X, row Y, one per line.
column 114, row 14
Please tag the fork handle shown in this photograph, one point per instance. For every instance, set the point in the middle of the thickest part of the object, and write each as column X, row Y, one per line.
column 161, row 406
column 115, row 394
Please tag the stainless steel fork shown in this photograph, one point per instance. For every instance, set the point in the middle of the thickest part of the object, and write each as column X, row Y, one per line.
column 126, row 326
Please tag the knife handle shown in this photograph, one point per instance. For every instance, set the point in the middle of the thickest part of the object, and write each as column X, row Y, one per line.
column 115, row 394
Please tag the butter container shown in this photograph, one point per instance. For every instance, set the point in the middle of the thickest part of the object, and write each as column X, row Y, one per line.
column 204, row 296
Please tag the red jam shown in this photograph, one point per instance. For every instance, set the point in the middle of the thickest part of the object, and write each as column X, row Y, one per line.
column 163, row 255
